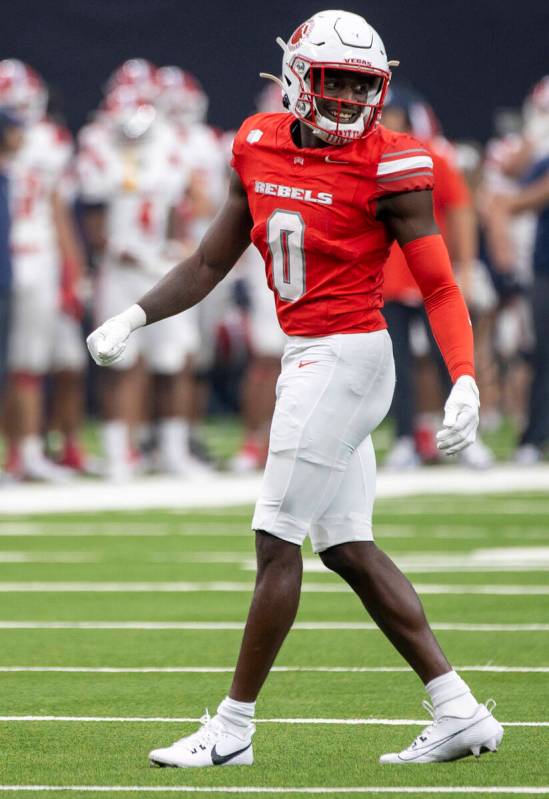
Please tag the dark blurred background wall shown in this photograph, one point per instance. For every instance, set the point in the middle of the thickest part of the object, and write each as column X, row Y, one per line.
column 467, row 57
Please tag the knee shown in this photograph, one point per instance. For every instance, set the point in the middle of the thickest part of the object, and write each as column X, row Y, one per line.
column 348, row 560
column 275, row 554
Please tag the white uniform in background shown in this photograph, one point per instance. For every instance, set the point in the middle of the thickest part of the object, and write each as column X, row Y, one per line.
column 139, row 181
column 202, row 150
column 513, row 330
column 267, row 338
column 37, row 172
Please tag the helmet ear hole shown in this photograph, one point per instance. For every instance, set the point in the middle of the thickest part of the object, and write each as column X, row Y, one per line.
column 286, row 101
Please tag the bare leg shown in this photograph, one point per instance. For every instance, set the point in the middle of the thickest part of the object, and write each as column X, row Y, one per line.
column 67, row 403
column 272, row 613
column 392, row 602
column 23, row 406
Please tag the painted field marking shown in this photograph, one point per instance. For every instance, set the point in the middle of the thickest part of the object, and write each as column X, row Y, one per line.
column 12, row 530
column 205, row 626
column 47, row 557
column 279, row 669
column 239, row 491
column 252, row 789
column 235, row 587
column 191, row 719
column 497, row 559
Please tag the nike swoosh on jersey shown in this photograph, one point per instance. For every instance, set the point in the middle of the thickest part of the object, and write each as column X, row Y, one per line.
column 305, row 363
column 335, row 161
column 220, row 760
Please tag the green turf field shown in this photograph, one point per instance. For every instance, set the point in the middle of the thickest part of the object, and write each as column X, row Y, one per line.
column 480, row 563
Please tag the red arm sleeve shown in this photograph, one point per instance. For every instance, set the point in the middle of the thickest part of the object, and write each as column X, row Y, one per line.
column 430, row 265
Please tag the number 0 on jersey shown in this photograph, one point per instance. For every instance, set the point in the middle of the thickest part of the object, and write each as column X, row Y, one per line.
column 285, row 236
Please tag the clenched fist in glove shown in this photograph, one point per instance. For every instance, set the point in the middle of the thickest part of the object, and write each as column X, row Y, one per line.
column 108, row 342
column 461, row 416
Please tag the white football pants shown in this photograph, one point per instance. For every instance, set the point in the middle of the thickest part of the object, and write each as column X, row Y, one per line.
column 320, row 473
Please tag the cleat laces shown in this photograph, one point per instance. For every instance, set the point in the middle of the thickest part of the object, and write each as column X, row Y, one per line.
column 204, row 737
column 424, row 736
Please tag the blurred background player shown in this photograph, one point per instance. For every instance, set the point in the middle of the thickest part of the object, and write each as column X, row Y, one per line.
column 129, row 163
column 533, row 197
column 43, row 244
column 508, row 243
column 11, row 138
column 406, row 111
column 183, row 100
column 266, row 341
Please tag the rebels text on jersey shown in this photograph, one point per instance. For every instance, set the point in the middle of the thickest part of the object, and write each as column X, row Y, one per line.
column 314, row 221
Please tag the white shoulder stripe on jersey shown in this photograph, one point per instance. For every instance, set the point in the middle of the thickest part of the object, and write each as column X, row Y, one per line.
column 414, row 162
column 404, row 152
column 405, row 176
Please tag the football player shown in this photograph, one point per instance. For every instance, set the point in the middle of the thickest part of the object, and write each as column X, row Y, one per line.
column 266, row 341
column 322, row 192
column 184, row 101
column 456, row 219
column 534, row 197
column 43, row 243
column 129, row 163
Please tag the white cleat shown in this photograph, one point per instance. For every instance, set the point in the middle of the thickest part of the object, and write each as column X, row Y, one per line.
column 450, row 738
column 403, row 455
column 182, row 466
column 212, row 745
column 46, row 471
column 528, row 455
column 476, row 456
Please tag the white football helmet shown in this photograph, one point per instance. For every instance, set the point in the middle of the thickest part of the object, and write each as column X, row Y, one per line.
column 127, row 113
column 137, row 73
column 181, row 96
column 22, row 90
column 334, row 40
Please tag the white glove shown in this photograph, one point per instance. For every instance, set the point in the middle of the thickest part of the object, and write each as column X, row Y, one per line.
column 461, row 416
column 108, row 343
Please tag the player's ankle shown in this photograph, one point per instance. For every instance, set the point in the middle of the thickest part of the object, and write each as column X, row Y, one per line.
column 236, row 716
column 451, row 696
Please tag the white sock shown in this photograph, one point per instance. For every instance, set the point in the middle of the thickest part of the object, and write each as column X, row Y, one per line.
column 173, row 438
column 116, row 441
column 451, row 696
column 237, row 716
column 31, row 450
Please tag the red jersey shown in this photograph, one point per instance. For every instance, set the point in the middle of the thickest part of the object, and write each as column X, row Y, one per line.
column 450, row 191
column 314, row 222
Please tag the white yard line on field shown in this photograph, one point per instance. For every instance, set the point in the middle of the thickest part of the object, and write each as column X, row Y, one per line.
column 192, row 719
column 47, row 557
column 235, row 587
column 253, row 789
column 24, row 530
column 496, row 559
column 278, row 669
column 220, row 490
column 206, row 626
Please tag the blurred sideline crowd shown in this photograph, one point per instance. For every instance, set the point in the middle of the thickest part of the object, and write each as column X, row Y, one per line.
column 87, row 226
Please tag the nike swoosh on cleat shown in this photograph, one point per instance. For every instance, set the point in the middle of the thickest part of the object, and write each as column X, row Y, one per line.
column 425, row 750
column 220, row 760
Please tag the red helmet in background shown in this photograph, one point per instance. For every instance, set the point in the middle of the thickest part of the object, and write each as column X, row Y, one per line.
column 22, row 90
column 181, row 96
